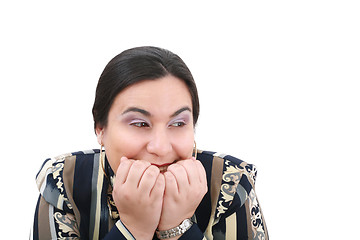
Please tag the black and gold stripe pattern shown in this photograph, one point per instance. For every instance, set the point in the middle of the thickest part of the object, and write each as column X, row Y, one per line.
column 75, row 200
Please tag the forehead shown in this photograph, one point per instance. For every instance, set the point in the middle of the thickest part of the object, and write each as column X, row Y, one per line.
column 160, row 96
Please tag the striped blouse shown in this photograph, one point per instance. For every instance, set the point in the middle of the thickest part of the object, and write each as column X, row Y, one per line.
column 75, row 200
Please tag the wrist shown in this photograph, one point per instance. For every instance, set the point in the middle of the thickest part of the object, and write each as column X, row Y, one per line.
column 175, row 232
column 138, row 232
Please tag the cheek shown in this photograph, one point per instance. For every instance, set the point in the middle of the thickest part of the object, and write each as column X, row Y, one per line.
column 184, row 145
column 119, row 145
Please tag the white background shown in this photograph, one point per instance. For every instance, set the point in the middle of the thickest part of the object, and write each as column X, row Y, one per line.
column 278, row 84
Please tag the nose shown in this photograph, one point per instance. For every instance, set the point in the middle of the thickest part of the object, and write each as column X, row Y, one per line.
column 159, row 143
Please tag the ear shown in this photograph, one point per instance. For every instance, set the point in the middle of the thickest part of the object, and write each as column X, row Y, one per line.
column 99, row 134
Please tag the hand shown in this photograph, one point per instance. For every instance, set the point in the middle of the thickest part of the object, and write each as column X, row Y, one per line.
column 185, row 186
column 138, row 195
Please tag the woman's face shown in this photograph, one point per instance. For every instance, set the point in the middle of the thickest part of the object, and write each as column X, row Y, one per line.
column 150, row 120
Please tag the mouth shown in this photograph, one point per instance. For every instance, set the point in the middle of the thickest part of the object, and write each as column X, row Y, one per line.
column 163, row 167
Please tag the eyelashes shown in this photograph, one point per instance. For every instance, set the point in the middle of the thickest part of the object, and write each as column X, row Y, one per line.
column 178, row 124
column 143, row 124
column 139, row 124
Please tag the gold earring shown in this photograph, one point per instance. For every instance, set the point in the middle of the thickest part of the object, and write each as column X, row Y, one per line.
column 195, row 150
column 102, row 158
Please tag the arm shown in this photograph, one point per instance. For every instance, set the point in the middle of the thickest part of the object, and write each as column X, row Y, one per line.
column 56, row 215
column 238, row 214
column 242, row 221
column 119, row 232
column 53, row 223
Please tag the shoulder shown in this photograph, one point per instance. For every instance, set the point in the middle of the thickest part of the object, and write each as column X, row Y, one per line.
column 228, row 178
column 229, row 165
column 56, row 176
column 55, row 165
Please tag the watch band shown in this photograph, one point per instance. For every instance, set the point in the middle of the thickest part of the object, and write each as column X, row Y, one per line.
column 176, row 231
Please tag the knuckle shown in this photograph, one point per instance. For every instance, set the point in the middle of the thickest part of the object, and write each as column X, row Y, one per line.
column 127, row 196
column 138, row 164
column 152, row 171
column 188, row 163
column 125, row 163
column 174, row 167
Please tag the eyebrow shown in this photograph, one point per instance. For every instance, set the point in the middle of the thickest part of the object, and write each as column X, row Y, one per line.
column 148, row 114
column 139, row 110
column 180, row 111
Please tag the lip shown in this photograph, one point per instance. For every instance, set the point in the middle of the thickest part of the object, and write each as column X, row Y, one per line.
column 163, row 167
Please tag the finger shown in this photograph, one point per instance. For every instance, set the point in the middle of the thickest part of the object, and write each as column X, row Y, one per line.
column 181, row 176
column 148, row 179
column 157, row 192
column 201, row 171
column 191, row 170
column 171, row 186
column 136, row 171
column 123, row 169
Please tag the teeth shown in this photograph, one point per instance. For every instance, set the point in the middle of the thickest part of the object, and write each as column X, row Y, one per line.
column 163, row 169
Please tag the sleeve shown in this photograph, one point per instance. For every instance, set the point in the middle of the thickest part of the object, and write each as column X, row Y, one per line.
column 120, row 232
column 242, row 222
column 55, row 215
column 53, row 223
column 242, row 219
column 194, row 233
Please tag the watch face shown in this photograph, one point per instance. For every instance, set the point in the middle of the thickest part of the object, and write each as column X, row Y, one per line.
column 176, row 231
column 187, row 223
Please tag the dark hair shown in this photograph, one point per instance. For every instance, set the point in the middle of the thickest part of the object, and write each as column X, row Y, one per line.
column 135, row 65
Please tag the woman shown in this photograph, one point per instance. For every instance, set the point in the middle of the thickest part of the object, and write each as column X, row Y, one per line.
column 145, row 111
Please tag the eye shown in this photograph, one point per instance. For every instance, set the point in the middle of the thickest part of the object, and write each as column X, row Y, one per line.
column 178, row 124
column 139, row 124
